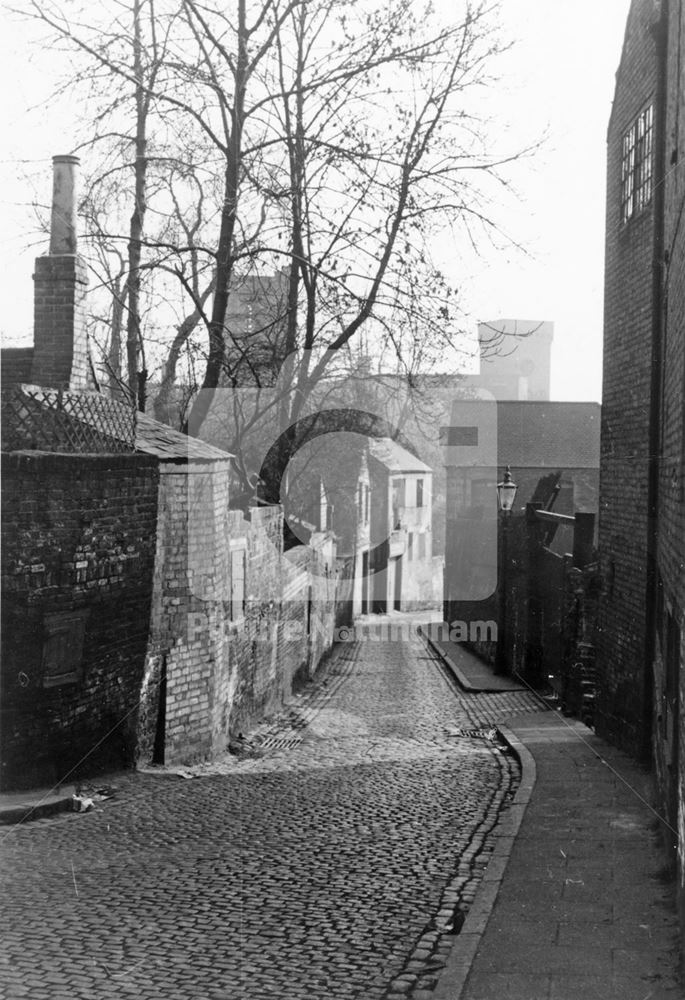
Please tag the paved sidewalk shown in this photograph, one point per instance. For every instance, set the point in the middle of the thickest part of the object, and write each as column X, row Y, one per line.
column 574, row 904
column 472, row 673
column 18, row 807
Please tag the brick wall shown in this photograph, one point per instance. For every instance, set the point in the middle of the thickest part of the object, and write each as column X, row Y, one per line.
column 77, row 543
column 625, row 411
column 140, row 560
column 223, row 656
column 187, row 655
column 669, row 723
column 15, row 365
column 60, row 353
column 289, row 620
column 671, row 514
column 642, row 605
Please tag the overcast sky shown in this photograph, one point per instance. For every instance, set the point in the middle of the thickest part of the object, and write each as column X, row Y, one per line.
column 560, row 78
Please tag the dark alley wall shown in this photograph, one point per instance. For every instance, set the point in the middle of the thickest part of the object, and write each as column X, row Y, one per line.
column 78, row 544
column 641, row 657
column 622, row 707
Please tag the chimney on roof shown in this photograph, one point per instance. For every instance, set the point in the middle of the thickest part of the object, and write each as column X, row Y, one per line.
column 60, row 349
column 63, row 216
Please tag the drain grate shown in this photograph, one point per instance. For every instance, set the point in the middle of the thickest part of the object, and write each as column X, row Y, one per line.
column 281, row 742
column 475, row 734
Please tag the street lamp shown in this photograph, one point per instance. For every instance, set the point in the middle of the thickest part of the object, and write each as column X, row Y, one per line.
column 506, row 494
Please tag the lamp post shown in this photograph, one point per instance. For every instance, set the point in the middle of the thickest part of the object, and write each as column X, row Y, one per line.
column 506, row 494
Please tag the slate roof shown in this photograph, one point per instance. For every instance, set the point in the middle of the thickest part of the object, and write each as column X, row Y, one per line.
column 155, row 438
column 396, row 458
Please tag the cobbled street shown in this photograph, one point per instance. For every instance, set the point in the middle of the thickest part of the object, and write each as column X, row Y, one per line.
column 328, row 867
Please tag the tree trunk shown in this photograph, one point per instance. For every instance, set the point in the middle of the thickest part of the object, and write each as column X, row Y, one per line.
column 133, row 332
column 184, row 330
column 224, row 256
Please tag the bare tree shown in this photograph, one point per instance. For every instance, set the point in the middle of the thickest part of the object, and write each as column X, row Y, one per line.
column 124, row 59
column 368, row 141
column 328, row 142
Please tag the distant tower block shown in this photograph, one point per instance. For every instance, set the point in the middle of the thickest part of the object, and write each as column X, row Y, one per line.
column 515, row 358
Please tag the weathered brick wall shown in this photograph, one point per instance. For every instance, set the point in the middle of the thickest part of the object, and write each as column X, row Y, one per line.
column 60, row 353
column 625, row 410
column 254, row 636
column 311, row 602
column 77, row 535
column 222, row 664
column 188, row 645
column 289, row 620
column 669, row 727
column 15, row 365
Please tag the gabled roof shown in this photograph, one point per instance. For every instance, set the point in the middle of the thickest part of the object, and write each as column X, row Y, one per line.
column 642, row 15
column 396, row 458
column 155, row 438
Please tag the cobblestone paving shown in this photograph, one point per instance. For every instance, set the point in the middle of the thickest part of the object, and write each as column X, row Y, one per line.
column 328, row 867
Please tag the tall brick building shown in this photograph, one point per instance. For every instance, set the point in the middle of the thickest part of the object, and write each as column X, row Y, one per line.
column 642, row 466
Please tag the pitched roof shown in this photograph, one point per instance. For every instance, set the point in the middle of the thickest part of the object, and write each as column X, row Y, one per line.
column 155, row 438
column 394, row 457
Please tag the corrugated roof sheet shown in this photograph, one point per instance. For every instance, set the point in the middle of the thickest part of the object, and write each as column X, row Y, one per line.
column 155, row 438
column 396, row 458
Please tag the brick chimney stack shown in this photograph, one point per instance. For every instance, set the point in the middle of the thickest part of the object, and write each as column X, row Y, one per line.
column 60, row 352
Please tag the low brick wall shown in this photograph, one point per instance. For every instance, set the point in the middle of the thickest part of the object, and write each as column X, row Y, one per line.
column 78, row 543
column 236, row 622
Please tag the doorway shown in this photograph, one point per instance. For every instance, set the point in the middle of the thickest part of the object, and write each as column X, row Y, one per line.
column 160, row 730
column 397, row 603
column 365, row 582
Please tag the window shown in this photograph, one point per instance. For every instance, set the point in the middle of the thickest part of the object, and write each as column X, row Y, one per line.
column 237, row 584
column 419, row 492
column 410, row 546
column 399, row 489
column 636, row 165
column 63, row 647
column 422, row 546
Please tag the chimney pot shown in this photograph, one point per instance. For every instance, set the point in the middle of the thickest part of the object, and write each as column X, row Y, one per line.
column 63, row 217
